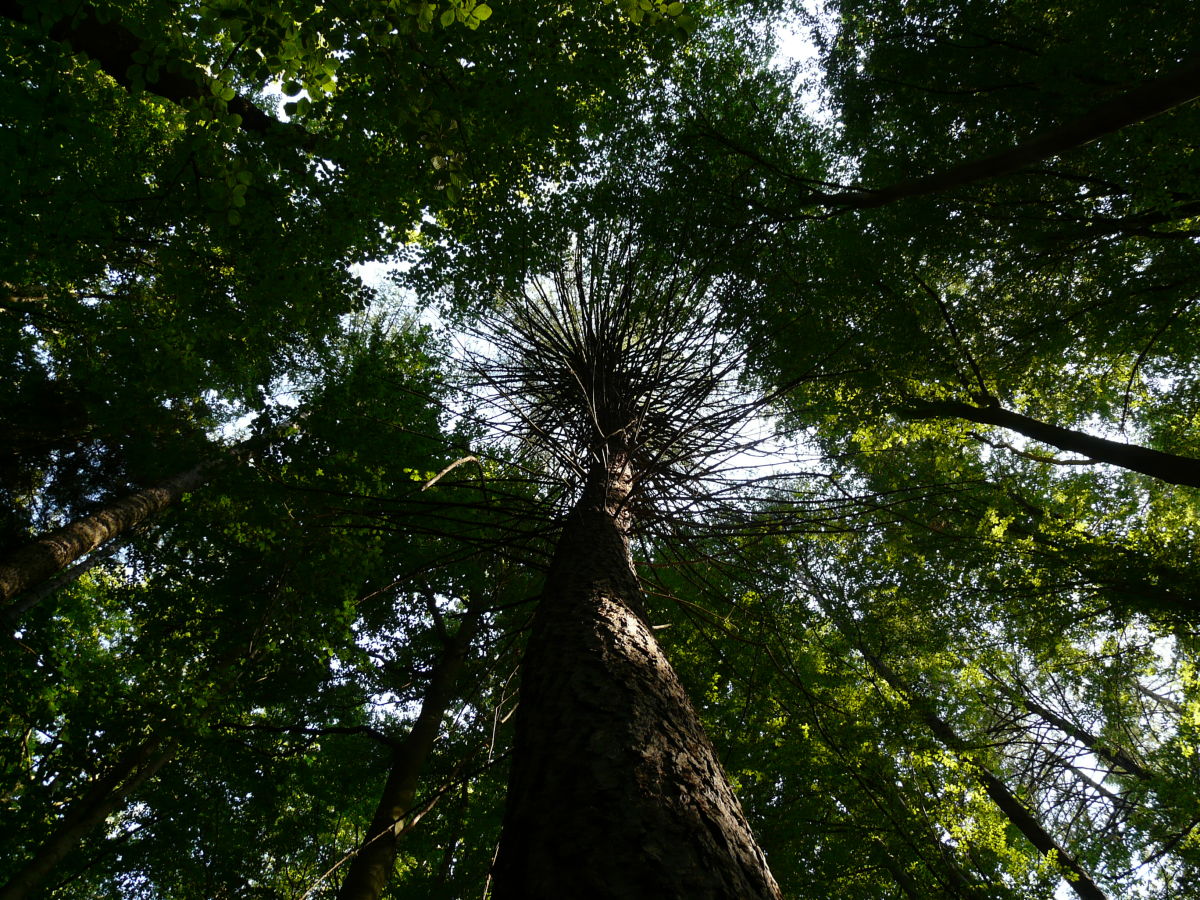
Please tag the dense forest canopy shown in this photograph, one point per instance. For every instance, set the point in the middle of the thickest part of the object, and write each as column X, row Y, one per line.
column 482, row 581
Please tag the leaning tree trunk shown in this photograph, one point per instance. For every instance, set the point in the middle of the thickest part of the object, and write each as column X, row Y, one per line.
column 1110, row 753
column 108, row 793
column 33, row 563
column 615, row 790
column 1168, row 467
column 111, row 791
column 1018, row 813
column 1143, row 102
column 30, row 565
column 373, row 863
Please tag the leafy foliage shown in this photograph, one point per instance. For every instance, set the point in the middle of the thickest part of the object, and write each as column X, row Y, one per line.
column 912, row 617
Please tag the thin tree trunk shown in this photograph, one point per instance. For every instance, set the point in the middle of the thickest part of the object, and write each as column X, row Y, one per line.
column 27, row 566
column 1167, row 467
column 1174, row 705
column 1142, row 103
column 30, row 565
column 615, row 790
column 1112, row 755
column 109, row 792
column 26, row 600
column 372, row 866
column 1024, row 820
column 903, row 880
column 115, row 787
column 1016, row 811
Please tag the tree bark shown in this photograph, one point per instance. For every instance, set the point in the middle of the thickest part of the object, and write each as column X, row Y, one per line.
column 29, row 599
column 33, row 563
column 372, row 866
column 1168, row 467
column 109, row 792
column 615, row 790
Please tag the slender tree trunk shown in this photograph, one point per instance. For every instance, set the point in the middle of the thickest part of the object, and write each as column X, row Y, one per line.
column 1174, row 705
column 903, row 880
column 119, row 784
column 944, row 868
column 1167, row 467
column 33, row 563
column 26, row 600
column 109, row 792
column 615, row 790
column 372, row 866
column 1029, row 825
column 1017, row 812
column 1113, row 755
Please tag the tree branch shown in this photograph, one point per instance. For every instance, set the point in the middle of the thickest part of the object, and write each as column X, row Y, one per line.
column 1168, row 467
column 113, row 46
column 1142, row 103
column 367, row 730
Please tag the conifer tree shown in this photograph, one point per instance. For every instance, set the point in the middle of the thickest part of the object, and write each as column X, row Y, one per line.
column 615, row 365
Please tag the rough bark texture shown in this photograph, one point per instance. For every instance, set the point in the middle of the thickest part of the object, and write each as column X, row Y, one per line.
column 33, row 563
column 1163, row 466
column 615, row 790
column 372, row 866
column 32, row 597
column 109, row 792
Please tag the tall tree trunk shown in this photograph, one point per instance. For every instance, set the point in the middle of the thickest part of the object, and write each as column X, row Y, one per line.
column 116, row 787
column 880, row 853
column 1163, row 466
column 109, row 792
column 372, row 866
column 28, row 599
column 615, row 790
column 1113, row 755
column 1017, row 812
column 33, row 563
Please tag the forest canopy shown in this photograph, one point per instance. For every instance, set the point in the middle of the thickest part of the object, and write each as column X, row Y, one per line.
column 764, row 472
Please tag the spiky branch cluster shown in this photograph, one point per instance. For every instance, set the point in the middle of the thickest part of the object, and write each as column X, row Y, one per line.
column 620, row 349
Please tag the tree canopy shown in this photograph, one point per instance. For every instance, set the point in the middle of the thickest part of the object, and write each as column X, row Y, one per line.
column 858, row 393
